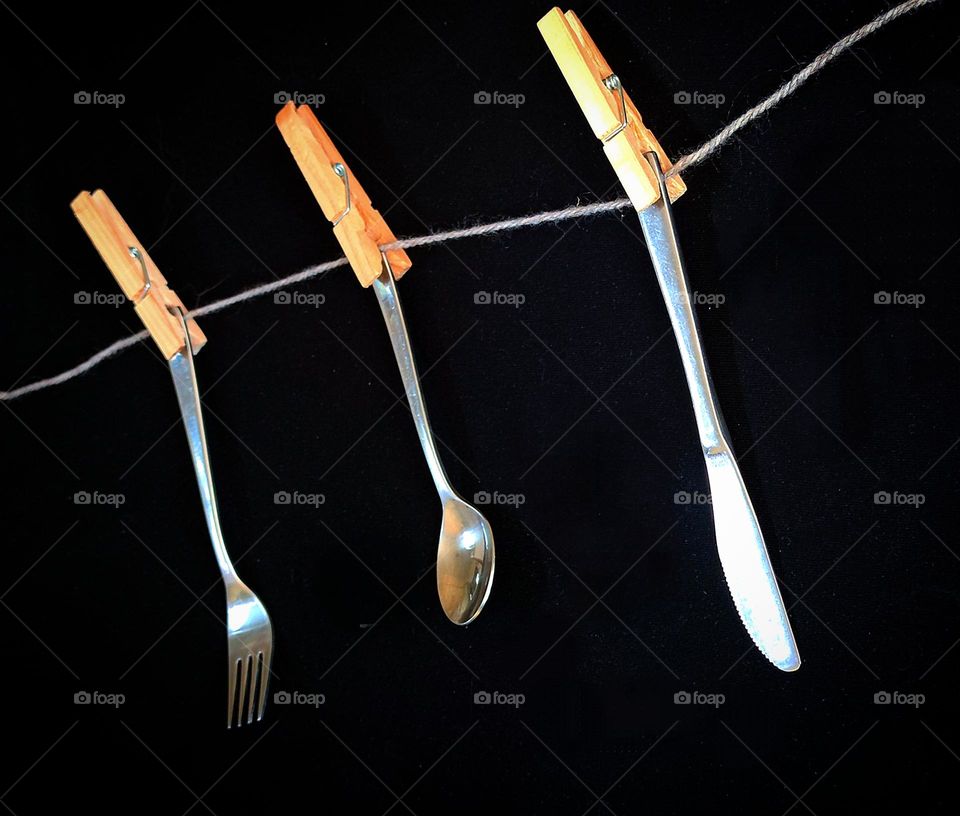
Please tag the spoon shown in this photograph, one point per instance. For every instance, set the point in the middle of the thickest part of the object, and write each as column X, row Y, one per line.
column 465, row 554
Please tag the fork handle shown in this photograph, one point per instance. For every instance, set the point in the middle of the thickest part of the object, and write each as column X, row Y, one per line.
column 188, row 395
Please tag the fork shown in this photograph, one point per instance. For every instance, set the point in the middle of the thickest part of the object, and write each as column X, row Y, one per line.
column 249, row 633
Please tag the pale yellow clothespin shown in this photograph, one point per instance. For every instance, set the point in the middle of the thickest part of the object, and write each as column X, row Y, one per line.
column 611, row 113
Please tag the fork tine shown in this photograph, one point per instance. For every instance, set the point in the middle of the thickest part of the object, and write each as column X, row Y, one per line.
column 264, row 679
column 231, row 690
column 255, row 675
column 242, row 690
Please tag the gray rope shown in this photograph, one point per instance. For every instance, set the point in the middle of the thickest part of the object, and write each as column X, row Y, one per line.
column 692, row 159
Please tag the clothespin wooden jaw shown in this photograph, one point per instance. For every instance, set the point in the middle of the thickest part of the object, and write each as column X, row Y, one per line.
column 608, row 108
column 123, row 254
column 359, row 228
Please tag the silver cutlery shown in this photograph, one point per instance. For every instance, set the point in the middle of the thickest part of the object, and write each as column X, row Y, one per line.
column 465, row 554
column 743, row 554
column 249, row 633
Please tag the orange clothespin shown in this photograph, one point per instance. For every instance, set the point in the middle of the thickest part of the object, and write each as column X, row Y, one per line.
column 611, row 113
column 138, row 276
column 360, row 229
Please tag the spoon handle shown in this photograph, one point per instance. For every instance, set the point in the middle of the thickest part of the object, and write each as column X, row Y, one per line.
column 385, row 288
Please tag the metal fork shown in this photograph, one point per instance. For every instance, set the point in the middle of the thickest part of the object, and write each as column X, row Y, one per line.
column 249, row 633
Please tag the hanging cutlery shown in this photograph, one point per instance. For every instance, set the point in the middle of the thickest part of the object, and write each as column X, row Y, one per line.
column 249, row 633
column 465, row 553
column 642, row 167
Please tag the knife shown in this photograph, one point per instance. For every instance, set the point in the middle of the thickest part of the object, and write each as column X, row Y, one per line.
column 743, row 554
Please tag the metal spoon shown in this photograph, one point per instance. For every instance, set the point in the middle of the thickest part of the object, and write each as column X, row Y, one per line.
column 465, row 554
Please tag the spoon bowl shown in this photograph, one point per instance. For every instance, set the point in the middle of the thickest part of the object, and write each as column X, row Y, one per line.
column 465, row 561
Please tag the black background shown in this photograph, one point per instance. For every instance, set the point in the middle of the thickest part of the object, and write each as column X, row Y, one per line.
column 609, row 597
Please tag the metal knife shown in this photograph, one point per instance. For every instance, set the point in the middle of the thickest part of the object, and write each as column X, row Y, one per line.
column 743, row 554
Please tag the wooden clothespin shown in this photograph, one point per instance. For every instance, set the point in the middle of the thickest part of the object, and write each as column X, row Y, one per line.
column 138, row 276
column 608, row 108
column 360, row 229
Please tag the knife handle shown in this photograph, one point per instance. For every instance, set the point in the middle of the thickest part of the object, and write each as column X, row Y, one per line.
column 661, row 236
